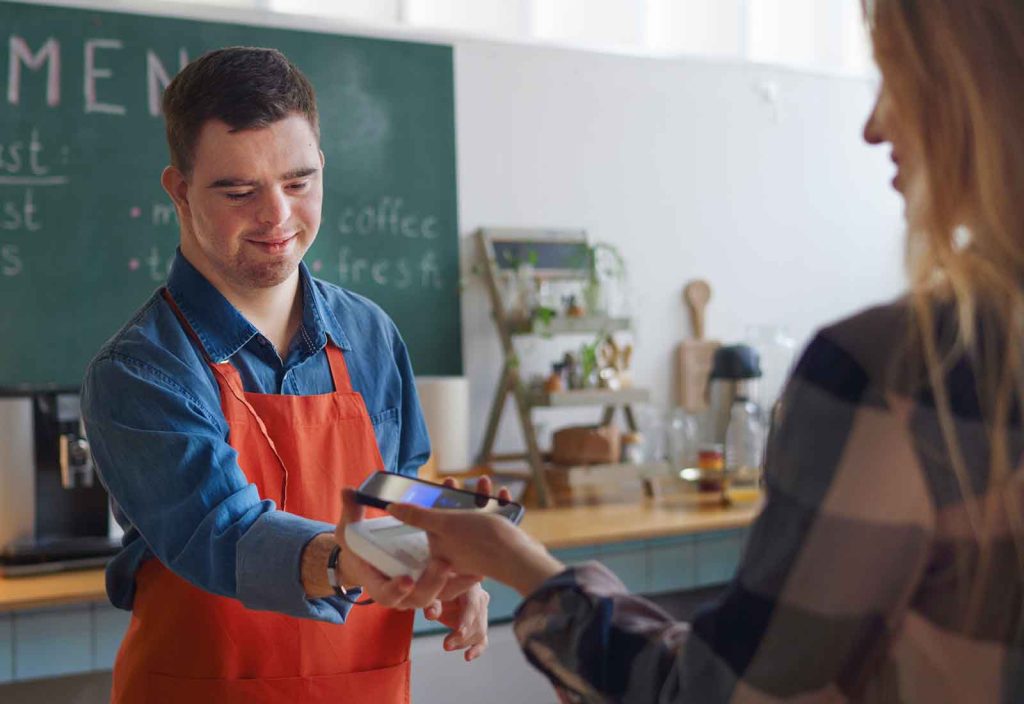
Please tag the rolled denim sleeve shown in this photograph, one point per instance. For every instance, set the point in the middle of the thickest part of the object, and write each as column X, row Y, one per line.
column 162, row 453
column 414, row 442
column 269, row 557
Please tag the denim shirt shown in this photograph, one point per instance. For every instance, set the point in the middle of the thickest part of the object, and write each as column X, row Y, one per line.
column 152, row 412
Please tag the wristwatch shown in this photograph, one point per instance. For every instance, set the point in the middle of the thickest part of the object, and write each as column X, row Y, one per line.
column 332, row 579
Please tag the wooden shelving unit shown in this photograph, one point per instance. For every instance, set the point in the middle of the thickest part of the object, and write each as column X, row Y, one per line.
column 558, row 255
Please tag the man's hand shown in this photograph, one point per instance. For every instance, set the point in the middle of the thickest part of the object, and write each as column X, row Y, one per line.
column 466, row 615
column 397, row 593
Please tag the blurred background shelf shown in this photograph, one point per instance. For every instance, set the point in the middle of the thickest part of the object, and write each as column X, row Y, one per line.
column 564, row 325
column 587, row 397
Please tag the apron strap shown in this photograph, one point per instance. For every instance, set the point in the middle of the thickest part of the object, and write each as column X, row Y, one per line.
column 232, row 381
column 165, row 292
column 339, row 370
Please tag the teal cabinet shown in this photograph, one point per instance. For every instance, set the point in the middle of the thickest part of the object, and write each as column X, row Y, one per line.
column 109, row 626
column 6, row 649
column 52, row 642
column 629, row 561
column 717, row 556
column 672, row 565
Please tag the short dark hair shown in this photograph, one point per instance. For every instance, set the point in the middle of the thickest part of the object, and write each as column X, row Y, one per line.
column 244, row 87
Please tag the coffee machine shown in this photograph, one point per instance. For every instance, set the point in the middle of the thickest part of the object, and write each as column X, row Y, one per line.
column 54, row 512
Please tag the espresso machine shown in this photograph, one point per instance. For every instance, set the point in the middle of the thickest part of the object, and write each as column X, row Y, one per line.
column 54, row 512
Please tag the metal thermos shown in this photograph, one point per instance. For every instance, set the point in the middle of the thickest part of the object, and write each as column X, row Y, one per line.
column 735, row 370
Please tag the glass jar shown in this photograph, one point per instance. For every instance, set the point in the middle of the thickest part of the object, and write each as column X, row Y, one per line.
column 682, row 432
column 633, row 448
column 711, row 463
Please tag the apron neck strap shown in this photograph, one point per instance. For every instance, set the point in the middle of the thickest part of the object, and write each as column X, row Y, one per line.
column 189, row 330
column 339, row 370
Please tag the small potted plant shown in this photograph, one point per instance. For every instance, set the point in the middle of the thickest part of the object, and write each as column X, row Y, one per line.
column 606, row 265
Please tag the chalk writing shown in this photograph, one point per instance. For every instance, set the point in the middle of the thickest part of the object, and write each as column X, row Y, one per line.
column 19, row 213
column 10, row 260
column 16, row 155
column 158, row 265
column 22, row 60
column 93, row 72
column 163, row 215
column 401, row 273
column 387, row 218
column 20, row 54
column 157, row 78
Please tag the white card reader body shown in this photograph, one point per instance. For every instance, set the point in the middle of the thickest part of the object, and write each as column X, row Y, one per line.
column 394, row 548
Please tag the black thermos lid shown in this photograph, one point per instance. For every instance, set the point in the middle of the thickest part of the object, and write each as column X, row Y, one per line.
column 736, row 362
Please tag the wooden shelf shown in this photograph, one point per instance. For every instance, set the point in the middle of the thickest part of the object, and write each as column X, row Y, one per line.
column 588, row 397
column 572, row 477
column 564, row 325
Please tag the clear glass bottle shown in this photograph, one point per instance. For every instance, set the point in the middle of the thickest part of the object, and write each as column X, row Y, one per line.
column 682, row 435
column 777, row 351
column 744, row 445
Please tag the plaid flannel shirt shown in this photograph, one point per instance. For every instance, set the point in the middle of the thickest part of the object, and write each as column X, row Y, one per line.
column 851, row 587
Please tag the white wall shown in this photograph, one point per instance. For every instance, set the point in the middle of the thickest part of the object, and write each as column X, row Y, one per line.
column 691, row 170
column 753, row 177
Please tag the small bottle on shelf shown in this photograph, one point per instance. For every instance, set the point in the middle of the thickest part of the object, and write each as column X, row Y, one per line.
column 633, row 448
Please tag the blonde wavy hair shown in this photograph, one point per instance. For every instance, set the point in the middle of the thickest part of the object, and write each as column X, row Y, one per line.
column 954, row 70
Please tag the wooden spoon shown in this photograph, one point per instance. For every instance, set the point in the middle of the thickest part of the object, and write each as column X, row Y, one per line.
column 697, row 293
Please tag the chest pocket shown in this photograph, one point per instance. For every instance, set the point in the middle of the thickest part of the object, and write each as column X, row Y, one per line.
column 385, row 427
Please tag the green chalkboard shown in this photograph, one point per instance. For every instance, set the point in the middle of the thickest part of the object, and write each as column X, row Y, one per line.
column 87, row 233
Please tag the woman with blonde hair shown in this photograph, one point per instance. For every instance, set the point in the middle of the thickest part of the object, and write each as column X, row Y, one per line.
column 886, row 564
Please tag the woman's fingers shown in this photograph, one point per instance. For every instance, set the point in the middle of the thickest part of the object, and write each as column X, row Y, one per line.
column 426, row 519
column 459, row 585
column 427, row 587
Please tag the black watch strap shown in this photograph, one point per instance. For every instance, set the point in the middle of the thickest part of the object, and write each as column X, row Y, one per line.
column 332, row 578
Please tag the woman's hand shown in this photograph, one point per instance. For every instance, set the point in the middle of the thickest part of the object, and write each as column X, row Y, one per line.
column 477, row 545
column 399, row 592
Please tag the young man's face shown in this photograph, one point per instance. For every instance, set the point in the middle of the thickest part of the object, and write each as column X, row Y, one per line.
column 251, row 207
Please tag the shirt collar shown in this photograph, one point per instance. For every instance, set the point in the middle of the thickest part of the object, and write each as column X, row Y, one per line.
column 318, row 319
column 223, row 330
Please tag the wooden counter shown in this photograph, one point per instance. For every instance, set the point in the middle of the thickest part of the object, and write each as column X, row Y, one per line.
column 557, row 528
column 560, row 528
column 52, row 590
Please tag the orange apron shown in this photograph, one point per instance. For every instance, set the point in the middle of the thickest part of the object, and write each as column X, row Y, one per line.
column 187, row 645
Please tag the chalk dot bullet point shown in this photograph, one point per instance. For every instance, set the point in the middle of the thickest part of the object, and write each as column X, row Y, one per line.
column 318, row 265
column 133, row 264
column 135, row 212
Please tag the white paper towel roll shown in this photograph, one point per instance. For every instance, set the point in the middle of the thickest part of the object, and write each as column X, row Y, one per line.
column 445, row 403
